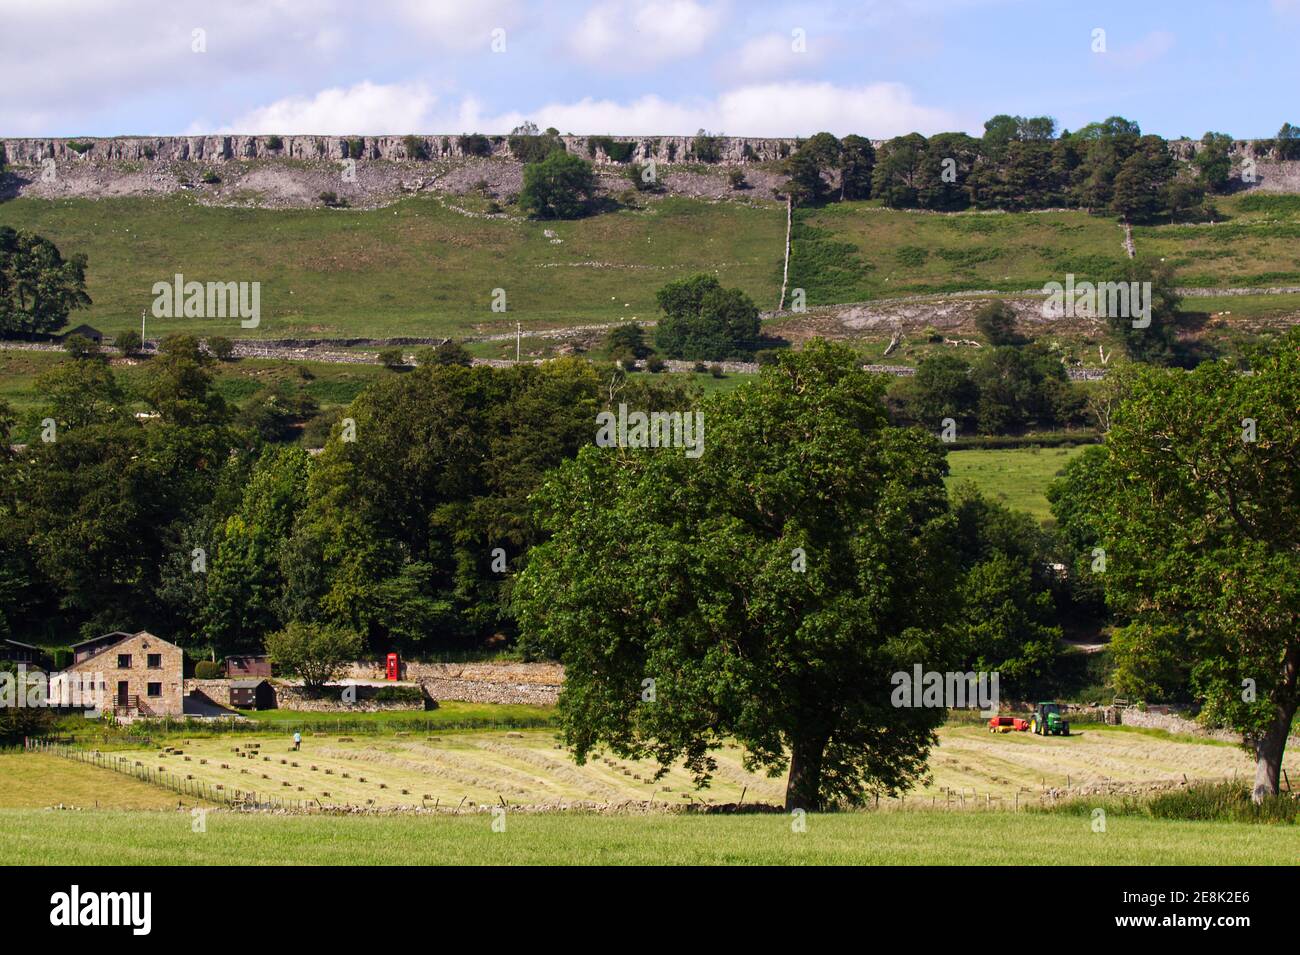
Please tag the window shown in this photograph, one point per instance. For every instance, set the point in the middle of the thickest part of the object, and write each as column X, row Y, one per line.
column 155, row 689
column 155, row 661
column 124, row 661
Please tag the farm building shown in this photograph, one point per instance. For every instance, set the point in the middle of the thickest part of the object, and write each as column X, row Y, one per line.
column 252, row 695
column 252, row 665
column 89, row 332
column 23, row 653
column 140, row 673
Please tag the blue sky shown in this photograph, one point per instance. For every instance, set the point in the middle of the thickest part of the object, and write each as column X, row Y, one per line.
column 75, row 67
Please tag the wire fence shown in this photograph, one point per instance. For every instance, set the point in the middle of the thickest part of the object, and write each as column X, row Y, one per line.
column 183, row 785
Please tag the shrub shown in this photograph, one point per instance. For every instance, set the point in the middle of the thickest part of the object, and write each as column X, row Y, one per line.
column 558, row 187
column 448, row 353
column 333, row 200
column 274, row 143
column 706, row 147
column 654, row 364
column 616, row 150
column 699, row 368
column 129, row 342
column 392, row 357
column 80, row 147
column 474, row 144
column 222, row 348
column 716, row 371
column 210, row 177
column 415, row 147
column 354, row 148
column 703, row 321
column 315, row 653
column 737, row 179
column 78, row 346
column 534, row 148
column 207, row 670
column 996, row 321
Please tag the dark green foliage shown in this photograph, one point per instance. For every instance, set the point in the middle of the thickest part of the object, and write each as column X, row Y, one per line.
column 128, row 342
column 688, row 564
column 706, row 147
column 1214, row 162
column 703, row 321
column 857, row 163
column 617, row 150
column 474, row 144
column 1287, row 143
column 996, row 321
column 354, row 148
column 534, row 148
column 80, row 146
column 38, row 287
column 561, row 186
column 447, row 353
column 221, row 348
column 274, row 143
column 627, row 343
column 894, row 179
column 415, row 147
column 208, row 670
column 392, row 357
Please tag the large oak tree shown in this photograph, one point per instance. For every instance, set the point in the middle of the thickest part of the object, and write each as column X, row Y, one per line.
column 769, row 588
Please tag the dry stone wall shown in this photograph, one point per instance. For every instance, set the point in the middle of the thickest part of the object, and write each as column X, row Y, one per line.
column 533, row 683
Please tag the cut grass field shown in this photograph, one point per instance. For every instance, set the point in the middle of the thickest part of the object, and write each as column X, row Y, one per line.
column 415, row 268
column 39, row 780
column 1016, row 477
column 883, row 838
column 474, row 768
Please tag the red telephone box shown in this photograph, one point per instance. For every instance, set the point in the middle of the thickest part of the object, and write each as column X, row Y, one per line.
column 394, row 668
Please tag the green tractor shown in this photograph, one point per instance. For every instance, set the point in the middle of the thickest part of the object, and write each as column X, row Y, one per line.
column 1048, row 720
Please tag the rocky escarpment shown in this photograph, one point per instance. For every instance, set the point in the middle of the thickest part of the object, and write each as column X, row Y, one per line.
column 730, row 150
column 217, row 149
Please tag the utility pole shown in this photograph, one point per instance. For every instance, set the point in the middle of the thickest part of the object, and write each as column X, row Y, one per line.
column 519, row 339
column 141, row 329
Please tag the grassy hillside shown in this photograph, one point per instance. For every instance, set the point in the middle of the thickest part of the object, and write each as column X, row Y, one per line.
column 421, row 268
column 857, row 251
column 414, row 268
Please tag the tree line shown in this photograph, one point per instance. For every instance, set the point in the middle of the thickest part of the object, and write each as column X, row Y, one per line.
column 1021, row 163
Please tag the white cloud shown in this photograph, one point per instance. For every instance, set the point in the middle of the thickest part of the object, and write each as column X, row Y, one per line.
column 620, row 34
column 769, row 109
column 369, row 108
column 461, row 25
column 772, row 55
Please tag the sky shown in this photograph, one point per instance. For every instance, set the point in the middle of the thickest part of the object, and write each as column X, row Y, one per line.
column 878, row 68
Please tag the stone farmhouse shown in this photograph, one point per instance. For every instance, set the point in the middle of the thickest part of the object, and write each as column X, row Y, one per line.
column 140, row 674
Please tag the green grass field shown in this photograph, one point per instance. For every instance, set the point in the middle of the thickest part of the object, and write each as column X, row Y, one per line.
column 857, row 251
column 414, row 268
column 1016, row 477
column 882, row 838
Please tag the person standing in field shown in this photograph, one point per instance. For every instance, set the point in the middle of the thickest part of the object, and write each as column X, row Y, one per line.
column 297, row 741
